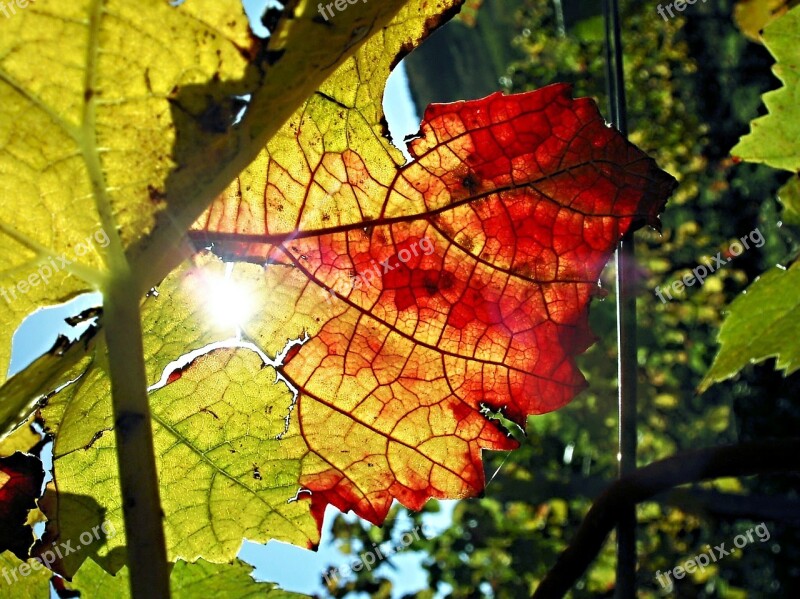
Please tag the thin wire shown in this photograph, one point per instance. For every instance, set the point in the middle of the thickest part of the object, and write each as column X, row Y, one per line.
column 626, row 318
column 496, row 472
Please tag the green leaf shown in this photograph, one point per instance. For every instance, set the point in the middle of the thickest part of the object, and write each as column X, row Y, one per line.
column 188, row 581
column 21, row 439
column 34, row 585
column 762, row 324
column 774, row 139
column 228, row 459
column 63, row 363
column 789, row 196
column 752, row 16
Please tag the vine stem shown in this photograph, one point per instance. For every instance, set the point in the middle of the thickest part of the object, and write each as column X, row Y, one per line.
column 141, row 503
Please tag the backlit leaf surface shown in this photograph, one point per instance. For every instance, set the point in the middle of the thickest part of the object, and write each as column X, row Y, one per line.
column 774, row 139
column 762, row 323
column 520, row 201
column 33, row 586
column 225, row 474
column 752, row 16
column 119, row 127
column 188, row 581
column 22, row 439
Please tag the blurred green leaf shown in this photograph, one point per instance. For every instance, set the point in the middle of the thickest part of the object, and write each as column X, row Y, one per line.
column 789, row 196
column 762, row 324
column 774, row 139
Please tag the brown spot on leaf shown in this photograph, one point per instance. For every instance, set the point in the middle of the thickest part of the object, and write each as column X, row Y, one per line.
column 156, row 195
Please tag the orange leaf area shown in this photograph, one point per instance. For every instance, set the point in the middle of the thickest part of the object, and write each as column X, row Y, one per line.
column 456, row 284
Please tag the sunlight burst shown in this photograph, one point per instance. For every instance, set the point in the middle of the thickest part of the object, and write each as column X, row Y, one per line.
column 229, row 303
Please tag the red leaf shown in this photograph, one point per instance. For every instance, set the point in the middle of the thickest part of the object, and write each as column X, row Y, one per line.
column 21, row 479
column 464, row 284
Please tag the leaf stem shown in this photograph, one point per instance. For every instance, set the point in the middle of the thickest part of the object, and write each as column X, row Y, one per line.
column 141, row 504
column 90, row 275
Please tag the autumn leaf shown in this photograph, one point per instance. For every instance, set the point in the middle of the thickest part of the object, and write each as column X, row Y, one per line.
column 21, row 477
column 561, row 168
column 119, row 122
column 176, row 321
column 235, row 448
column 469, row 272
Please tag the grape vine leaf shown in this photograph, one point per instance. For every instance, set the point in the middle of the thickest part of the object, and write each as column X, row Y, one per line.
column 752, row 16
column 522, row 199
column 226, row 471
column 33, row 586
column 789, row 197
column 774, row 139
column 22, row 439
column 175, row 322
column 188, row 581
column 234, row 448
column 761, row 324
column 64, row 362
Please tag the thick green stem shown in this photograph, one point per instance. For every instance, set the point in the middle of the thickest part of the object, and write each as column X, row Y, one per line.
column 141, row 504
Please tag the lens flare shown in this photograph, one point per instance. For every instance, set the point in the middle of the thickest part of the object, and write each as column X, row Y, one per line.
column 229, row 303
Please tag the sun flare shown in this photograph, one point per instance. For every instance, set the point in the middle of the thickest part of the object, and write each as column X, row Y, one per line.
column 229, row 303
